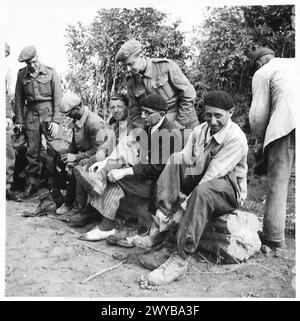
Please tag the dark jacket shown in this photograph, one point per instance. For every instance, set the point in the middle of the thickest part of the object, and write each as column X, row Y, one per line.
column 89, row 133
column 156, row 149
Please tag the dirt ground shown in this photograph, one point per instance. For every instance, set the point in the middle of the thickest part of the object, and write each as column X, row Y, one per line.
column 44, row 258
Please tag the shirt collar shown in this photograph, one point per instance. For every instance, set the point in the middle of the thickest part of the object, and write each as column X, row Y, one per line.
column 42, row 70
column 155, row 127
column 149, row 69
column 221, row 134
column 80, row 122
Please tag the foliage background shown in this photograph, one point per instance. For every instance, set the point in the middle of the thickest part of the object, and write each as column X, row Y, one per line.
column 215, row 58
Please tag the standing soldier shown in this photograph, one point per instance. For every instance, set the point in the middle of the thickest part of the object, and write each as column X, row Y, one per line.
column 157, row 76
column 38, row 88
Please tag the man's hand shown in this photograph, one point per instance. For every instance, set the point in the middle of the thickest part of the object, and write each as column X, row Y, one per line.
column 53, row 128
column 260, row 166
column 257, row 151
column 97, row 166
column 91, row 161
column 8, row 122
column 117, row 174
column 68, row 158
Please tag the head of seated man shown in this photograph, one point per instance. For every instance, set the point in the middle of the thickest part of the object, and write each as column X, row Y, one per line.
column 219, row 108
column 153, row 109
column 71, row 106
column 119, row 107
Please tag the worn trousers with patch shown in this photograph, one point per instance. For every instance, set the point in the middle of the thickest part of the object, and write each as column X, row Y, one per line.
column 36, row 125
column 108, row 204
column 280, row 155
column 212, row 198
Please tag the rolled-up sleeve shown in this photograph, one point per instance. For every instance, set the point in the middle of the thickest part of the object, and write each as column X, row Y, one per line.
column 260, row 107
column 187, row 95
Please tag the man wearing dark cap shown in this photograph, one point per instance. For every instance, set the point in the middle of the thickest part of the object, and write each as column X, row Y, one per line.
column 160, row 76
column 272, row 119
column 211, row 172
column 38, row 89
column 138, row 178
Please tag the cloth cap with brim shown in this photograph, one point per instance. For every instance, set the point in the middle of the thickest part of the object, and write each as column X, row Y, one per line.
column 257, row 54
column 27, row 53
column 219, row 99
column 154, row 102
column 127, row 49
column 122, row 97
column 68, row 101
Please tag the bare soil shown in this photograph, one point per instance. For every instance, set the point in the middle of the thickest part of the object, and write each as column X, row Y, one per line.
column 44, row 258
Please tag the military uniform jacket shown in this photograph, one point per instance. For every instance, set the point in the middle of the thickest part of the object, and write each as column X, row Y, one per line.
column 165, row 78
column 89, row 133
column 41, row 93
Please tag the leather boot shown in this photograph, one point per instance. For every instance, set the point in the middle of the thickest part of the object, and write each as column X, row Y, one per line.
column 86, row 216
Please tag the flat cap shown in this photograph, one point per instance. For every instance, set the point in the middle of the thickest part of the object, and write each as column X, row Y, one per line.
column 68, row 101
column 118, row 96
column 27, row 53
column 257, row 54
column 219, row 99
column 128, row 48
column 154, row 101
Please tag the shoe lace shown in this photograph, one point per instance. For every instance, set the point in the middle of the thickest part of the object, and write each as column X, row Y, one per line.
column 169, row 261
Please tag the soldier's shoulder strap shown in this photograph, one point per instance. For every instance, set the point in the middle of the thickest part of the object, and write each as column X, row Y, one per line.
column 160, row 60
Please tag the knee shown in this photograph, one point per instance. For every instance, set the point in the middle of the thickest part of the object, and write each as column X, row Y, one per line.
column 83, row 162
column 203, row 190
column 176, row 158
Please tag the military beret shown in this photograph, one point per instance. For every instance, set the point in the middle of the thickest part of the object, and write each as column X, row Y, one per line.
column 257, row 54
column 27, row 53
column 68, row 101
column 219, row 99
column 128, row 48
column 155, row 102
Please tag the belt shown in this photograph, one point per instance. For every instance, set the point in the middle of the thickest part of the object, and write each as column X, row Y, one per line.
column 36, row 105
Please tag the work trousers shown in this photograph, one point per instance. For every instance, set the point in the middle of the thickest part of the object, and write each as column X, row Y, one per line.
column 210, row 199
column 280, row 155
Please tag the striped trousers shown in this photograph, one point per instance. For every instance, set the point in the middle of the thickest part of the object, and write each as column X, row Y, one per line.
column 108, row 203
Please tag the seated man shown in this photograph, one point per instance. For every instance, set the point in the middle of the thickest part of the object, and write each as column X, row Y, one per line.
column 89, row 133
column 138, row 179
column 211, row 171
column 117, row 128
column 118, row 125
